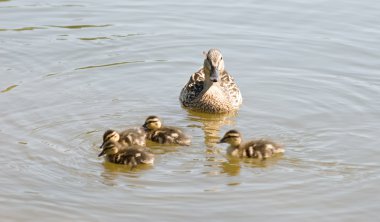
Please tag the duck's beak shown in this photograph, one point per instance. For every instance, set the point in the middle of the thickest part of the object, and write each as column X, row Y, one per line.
column 101, row 153
column 214, row 75
column 101, row 146
column 223, row 140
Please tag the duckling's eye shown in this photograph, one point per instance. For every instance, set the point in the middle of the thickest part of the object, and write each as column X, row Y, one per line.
column 221, row 58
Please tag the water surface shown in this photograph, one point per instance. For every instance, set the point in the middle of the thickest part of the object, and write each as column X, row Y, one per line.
column 308, row 72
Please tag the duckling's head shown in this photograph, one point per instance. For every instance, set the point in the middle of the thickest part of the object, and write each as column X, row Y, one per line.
column 152, row 123
column 110, row 135
column 232, row 137
column 213, row 65
column 109, row 148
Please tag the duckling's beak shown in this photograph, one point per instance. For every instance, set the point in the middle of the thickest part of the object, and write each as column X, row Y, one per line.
column 223, row 140
column 101, row 146
column 101, row 153
column 145, row 125
column 214, row 75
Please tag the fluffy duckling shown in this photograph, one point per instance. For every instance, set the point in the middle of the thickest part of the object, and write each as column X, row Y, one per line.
column 129, row 137
column 260, row 149
column 211, row 89
column 128, row 155
column 164, row 134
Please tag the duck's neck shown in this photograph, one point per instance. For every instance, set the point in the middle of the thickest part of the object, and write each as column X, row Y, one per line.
column 207, row 82
column 236, row 143
column 233, row 150
column 146, row 129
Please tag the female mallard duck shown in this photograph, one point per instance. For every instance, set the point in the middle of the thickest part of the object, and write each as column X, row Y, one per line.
column 129, row 137
column 164, row 134
column 259, row 149
column 128, row 155
column 211, row 89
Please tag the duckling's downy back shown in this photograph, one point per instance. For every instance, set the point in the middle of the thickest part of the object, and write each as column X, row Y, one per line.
column 164, row 134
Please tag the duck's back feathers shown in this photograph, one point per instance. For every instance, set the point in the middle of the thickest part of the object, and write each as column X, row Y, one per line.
column 260, row 149
column 228, row 83
column 132, row 156
column 134, row 136
column 169, row 135
column 193, row 88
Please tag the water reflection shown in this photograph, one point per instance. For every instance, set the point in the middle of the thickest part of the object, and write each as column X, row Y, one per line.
column 9, row 88
column 106, row 65
column 23, row 29
column 121, row 168
column 94, row 38
column 158, row 149
column 211, row 124
column 231, row 166
column 80, row 26
column 113, row 171
column 257, row 163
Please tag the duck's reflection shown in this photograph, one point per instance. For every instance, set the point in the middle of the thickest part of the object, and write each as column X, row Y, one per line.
column 257, row 163
column 216, row 165
column 223, row 164
column 112, row 171
column 211, row 124
column 231, row 166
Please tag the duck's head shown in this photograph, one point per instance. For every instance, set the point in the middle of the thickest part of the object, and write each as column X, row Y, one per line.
column 213, row 65
column 109, row 148
column 232, row 137
column 152, row 123
column 110, row 135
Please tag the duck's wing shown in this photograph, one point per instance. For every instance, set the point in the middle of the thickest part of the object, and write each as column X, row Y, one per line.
column 231, row 88
column 165, row 135
column 273, row 147
column 177, row 136
column 135, row 136
column 250, row 149
column 170, row 135
column 135, row 155
column 267, row 148
column 193, row 88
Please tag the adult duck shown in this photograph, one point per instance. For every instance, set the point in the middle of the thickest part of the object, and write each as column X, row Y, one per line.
column 211, row 89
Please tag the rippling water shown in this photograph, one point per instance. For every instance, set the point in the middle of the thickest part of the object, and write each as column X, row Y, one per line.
column 308, row 72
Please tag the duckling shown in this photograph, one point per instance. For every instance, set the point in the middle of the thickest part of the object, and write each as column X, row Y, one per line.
column 211, row 89
column 129, row 137
column 128, row 155
column 260, row 149
column 164, row 134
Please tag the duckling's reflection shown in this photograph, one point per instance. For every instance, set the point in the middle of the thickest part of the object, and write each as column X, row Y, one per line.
column 211, row 124
column 232, row 165
column 257, row 163
column 112, row 171
column 158, row 149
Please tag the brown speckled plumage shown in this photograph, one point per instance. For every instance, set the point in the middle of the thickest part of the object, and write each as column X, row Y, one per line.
column 260, row 149
column 206, row 95
column 128, row 137
column 127, row 155
column 164, row 134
